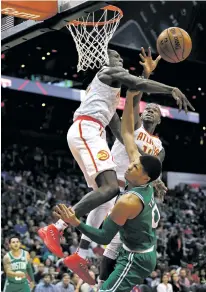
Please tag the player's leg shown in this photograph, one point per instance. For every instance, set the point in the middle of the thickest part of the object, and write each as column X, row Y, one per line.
column 15, row 287
column 131, row 270
column 97, row 160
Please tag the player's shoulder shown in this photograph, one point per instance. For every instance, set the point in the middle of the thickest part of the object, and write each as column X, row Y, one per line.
column 129, row 199
column 6, row 258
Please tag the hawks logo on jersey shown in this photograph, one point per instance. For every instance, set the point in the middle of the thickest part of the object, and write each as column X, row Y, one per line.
column 102, row 155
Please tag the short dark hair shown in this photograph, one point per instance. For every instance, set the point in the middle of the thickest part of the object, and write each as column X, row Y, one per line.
column 152, row 166
column 47, row 275
column 14, row 236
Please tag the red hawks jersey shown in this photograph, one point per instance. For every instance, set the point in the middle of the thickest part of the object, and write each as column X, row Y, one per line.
column 100, row 102
column 148, row 143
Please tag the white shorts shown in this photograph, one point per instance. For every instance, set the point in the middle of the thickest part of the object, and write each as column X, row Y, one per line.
column 87, row 142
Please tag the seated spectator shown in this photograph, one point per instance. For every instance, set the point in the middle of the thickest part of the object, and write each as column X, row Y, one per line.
column 48, row 264
column 153, row 280
column 76, row 282
column 183, row 280
column 98, row 250
column 86, row 287
column 40, row 273
column 164, row 286
column 175, row 283
column 45, row 285
column 203, row 277
column 65, row 285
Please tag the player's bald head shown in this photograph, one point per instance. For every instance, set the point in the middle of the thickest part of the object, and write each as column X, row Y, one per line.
column 154, row 106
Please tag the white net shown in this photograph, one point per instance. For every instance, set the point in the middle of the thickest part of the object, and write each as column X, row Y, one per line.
column 92, row 37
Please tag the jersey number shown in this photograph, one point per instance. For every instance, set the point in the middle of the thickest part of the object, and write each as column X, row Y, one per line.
column 146, row 150
column 155, row 216
column 18, row 278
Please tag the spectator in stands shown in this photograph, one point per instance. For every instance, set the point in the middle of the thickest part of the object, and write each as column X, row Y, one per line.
column 40, row 273
column 98, row 250
column 86, row 287
column 175, row 283
column 203, row 277
column 45, row 285
column 183, row 280
column 65, row 285
column 175, row 248
column 153, row 280
column 164, row 286
column 77, row 282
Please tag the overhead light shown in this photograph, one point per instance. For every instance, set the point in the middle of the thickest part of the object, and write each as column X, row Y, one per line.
column 38, row 48
column 22, row 66
column 43, row 104
column 48, row 53
column 132, row 68
column 202, row 93
column 54, row 51
column 43, row 58
column 201, row 141
column 74, row 75
column 194, row 97
column 65, row 73
column 199, row 88
column 204, row 128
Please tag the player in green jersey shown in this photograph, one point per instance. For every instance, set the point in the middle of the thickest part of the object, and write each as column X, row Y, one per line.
column 17, row 265
column 135, row 216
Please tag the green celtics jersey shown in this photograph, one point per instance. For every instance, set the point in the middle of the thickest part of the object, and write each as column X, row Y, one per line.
column 18, row 265
column 139, row 233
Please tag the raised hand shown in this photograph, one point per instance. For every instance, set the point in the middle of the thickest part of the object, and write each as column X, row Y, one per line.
column 160, row 188
column 181, row 100
column 147, row 62
column 66, row 214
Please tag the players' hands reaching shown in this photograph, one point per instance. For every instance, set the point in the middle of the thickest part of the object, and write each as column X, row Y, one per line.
column 160, row 188
column 181, row 100
column 66, row 214
column 147, row 62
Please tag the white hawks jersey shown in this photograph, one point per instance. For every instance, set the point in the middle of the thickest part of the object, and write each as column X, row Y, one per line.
column 148, row 143
column 100, row 102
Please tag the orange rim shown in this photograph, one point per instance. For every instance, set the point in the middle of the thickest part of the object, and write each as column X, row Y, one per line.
column 91, row 23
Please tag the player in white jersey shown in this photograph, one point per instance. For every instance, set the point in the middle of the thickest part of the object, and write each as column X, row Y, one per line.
column 86, row 139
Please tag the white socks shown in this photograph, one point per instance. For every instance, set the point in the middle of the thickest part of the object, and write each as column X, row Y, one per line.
column 100, row 283
column 83, row 253
column 60, row 225
column 97, row 216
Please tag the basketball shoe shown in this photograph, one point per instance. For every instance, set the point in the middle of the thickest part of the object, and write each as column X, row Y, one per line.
column 51, row 238
column 80, row 267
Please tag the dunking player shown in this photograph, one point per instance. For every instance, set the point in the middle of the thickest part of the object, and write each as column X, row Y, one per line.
column 17, row 265
column 147, row 144
column 135, row 216
column 86, row 139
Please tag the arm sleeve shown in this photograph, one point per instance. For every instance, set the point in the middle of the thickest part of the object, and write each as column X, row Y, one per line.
column 30, row 271
column 103, row 235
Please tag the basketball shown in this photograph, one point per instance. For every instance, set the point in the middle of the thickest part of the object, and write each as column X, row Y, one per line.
column 174, row 45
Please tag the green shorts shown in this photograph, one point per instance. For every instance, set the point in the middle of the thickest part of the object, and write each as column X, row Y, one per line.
column 16, row 287
column 130, row 270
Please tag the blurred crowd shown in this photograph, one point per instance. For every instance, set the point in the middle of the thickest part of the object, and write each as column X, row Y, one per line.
column 34, row 181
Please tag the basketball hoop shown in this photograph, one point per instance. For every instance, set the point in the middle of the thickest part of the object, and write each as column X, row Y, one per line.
column 92, row 35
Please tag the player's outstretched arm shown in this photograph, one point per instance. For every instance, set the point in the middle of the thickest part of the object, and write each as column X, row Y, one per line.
column 149, row 65
column 127, row 129
column 127, row 207
column 146, row 85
